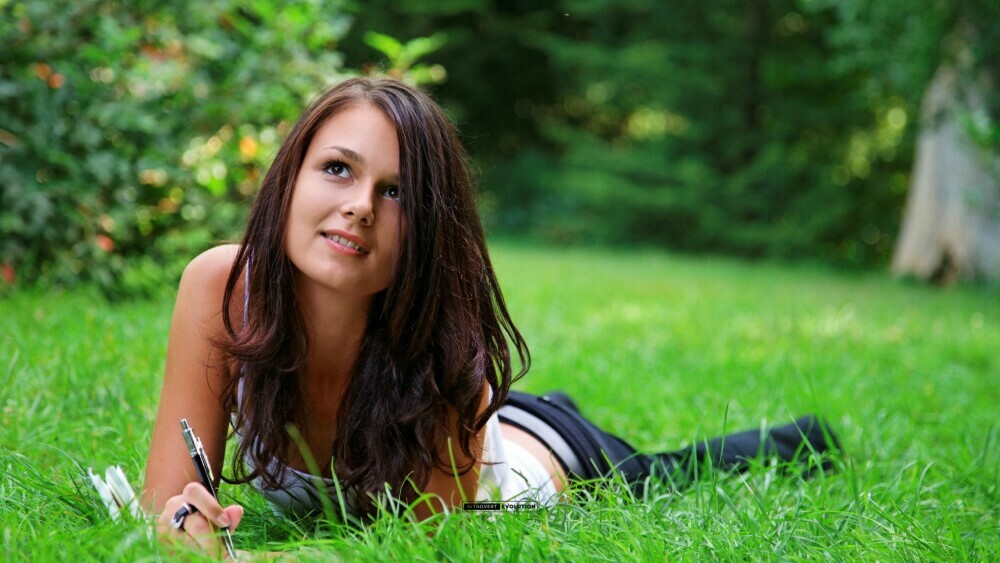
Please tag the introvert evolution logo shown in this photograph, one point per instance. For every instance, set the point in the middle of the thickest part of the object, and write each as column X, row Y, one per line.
column 509, row 506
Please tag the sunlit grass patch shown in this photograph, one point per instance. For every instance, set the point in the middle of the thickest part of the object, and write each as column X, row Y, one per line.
column 663, row 350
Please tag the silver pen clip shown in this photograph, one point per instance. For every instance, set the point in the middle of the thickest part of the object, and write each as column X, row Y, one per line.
column 197, row 450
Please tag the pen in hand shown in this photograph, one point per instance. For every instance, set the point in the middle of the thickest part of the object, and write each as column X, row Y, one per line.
column 204, row 471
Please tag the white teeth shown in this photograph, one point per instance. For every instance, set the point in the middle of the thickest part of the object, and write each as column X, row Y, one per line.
column 343, row 241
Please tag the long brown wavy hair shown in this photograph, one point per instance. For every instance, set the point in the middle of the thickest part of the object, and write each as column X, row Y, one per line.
column 434, row 336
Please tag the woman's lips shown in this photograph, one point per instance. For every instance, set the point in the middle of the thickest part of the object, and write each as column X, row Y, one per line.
column 345, row 240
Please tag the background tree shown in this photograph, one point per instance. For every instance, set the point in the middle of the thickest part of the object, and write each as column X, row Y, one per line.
column 132, row 137
column 952, row 223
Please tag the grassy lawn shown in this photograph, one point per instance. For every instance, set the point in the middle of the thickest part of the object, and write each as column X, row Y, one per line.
column 661, row 349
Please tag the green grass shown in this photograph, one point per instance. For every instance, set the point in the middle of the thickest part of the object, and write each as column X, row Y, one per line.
column 661, row 349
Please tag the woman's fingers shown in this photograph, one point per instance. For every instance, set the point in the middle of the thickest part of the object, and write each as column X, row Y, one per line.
column 199, row 528
column 235, row 513
column 173, row 525
column 198, row 496
column 174, row 515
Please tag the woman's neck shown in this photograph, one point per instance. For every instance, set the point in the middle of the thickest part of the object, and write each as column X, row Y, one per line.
column 335, row 327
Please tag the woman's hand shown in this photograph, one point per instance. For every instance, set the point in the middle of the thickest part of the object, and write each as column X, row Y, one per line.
column 199, row 528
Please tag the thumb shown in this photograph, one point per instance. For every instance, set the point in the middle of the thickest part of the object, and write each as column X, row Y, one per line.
column 235, row 513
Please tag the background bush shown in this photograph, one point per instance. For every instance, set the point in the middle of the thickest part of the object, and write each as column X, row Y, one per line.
column 132, row 132
column 132, row 135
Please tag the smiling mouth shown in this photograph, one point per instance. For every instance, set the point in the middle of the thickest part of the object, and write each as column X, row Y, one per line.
column 343, row 241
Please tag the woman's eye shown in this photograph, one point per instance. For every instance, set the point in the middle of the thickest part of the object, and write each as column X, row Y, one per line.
column 337, row 169
column 391, row 192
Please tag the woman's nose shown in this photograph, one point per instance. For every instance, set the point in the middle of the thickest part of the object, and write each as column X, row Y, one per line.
column 360, row 205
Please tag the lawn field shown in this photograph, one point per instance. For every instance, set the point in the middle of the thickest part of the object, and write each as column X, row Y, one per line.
column 661, row 349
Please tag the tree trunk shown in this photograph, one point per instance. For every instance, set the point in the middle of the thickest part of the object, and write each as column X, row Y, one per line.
column 951, row 224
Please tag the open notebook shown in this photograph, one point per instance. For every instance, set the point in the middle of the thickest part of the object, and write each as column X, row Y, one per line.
column 117, row 493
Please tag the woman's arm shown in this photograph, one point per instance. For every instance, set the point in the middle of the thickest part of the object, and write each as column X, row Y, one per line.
column 451, row 489
column 193, row 380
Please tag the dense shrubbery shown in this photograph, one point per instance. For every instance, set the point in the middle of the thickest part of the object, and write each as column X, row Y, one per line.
column 131, row 134
column 762, row 127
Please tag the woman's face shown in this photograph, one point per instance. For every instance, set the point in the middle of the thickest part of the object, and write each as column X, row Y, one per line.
column 345, row 215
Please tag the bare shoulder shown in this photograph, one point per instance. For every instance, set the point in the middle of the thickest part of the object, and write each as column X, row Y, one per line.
column 211, row 266
column 204, row 281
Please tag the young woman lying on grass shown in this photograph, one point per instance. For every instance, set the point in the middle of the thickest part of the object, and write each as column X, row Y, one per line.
column 362, row 309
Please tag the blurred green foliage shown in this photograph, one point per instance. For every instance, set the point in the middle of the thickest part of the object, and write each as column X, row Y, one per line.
column 780, row 128
column 133, row 133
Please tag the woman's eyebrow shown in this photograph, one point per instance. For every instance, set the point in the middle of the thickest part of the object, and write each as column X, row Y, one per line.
column 351, row 155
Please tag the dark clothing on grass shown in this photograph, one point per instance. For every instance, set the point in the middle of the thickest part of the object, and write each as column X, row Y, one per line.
column 587, row 452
